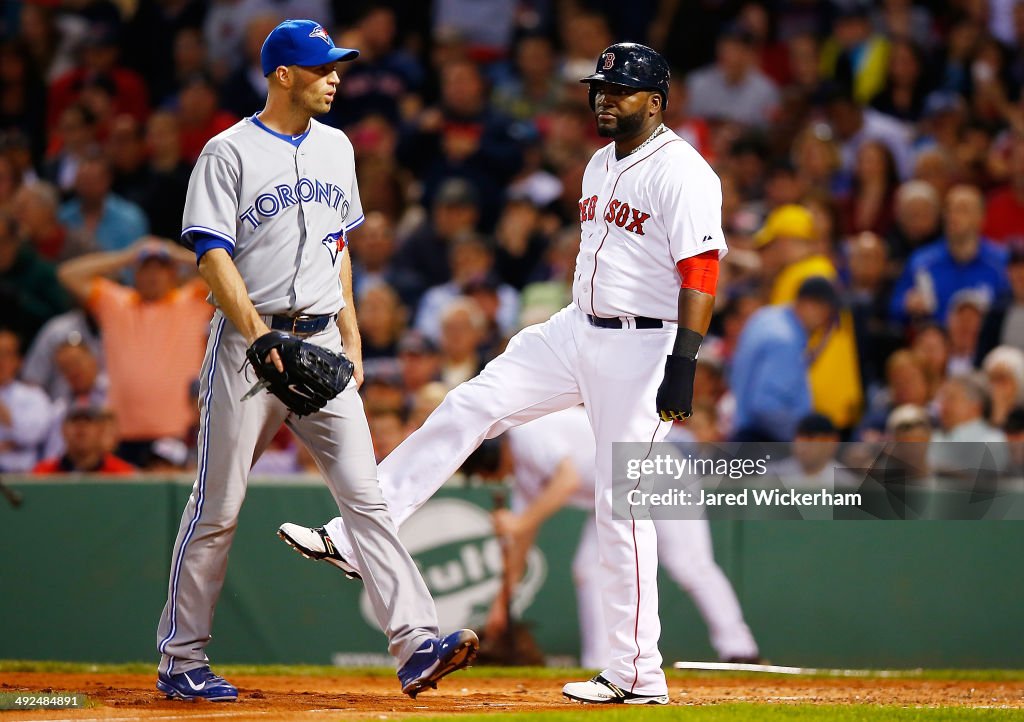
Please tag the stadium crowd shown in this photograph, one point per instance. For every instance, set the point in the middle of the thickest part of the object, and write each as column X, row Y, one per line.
column 872, row 166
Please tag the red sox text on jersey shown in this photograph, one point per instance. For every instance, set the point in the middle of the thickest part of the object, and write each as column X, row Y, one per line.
column 618, row 212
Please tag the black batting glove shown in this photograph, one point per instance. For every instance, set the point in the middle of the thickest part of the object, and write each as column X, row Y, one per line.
column 675, row 395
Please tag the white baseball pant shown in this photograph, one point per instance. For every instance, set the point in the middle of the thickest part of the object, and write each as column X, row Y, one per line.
column 686, row 553
column 562, row 362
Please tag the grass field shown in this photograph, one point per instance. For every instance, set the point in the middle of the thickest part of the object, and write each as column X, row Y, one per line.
column 496, row 694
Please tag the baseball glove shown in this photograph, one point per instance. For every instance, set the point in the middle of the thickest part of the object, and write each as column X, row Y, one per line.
column 312, row 375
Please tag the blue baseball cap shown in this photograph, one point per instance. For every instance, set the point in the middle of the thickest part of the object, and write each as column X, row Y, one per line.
column 301, row 42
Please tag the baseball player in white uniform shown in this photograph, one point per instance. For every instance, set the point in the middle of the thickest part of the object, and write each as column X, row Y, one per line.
column 625, row 348
column 553, row 464
column 269, row 207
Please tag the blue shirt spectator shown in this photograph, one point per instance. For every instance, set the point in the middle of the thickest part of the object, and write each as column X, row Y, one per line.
column 963, row 259
column 113, row 222
column 769, row 376
column 986, row 273
column 769, row 369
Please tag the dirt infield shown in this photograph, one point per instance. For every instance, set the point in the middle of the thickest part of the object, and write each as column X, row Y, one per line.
column 133, row 697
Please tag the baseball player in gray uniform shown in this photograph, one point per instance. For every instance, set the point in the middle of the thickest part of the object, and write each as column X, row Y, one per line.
column 270, row 204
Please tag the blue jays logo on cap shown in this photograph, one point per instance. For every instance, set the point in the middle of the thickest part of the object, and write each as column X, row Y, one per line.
column 319, row 32
column 301, row 42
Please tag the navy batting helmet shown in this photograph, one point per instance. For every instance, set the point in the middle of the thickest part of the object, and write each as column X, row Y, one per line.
column 633, row 65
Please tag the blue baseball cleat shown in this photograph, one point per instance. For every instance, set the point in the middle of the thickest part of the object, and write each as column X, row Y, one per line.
column 437, row 658
column 199, row 683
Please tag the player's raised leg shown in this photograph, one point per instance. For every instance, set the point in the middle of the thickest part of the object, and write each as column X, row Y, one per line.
column 533, row 377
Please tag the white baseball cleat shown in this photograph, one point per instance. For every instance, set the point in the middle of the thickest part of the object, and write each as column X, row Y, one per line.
column 314, row 543
column 600, row 691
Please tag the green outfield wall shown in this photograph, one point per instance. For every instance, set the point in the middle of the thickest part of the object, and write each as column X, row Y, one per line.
column 83, row 575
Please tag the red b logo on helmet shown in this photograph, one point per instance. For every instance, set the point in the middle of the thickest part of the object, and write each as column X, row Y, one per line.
column 609, row 61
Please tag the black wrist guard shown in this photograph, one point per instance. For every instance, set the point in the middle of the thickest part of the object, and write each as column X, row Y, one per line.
column 687, row 343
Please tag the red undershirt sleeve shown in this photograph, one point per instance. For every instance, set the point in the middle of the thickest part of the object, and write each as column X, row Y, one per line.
column 700, row 272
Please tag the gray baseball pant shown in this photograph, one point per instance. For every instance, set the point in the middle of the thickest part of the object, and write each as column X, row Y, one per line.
column 232, row 435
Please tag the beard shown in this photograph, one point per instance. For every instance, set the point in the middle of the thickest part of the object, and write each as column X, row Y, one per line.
column 624, row 126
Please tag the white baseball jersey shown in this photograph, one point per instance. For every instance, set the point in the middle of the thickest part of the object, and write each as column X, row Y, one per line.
column 640, row 216
column 541, row 445
column 279, row 205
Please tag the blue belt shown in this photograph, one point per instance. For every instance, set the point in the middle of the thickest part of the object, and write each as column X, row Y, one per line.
column 638, row 322
column 302, row 324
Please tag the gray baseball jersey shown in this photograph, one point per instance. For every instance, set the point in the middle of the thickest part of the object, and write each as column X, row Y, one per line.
column 284, row 207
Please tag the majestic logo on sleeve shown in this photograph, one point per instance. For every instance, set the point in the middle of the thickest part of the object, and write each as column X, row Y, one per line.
column 319, row 32
column 609, row 61
column 272, row 202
